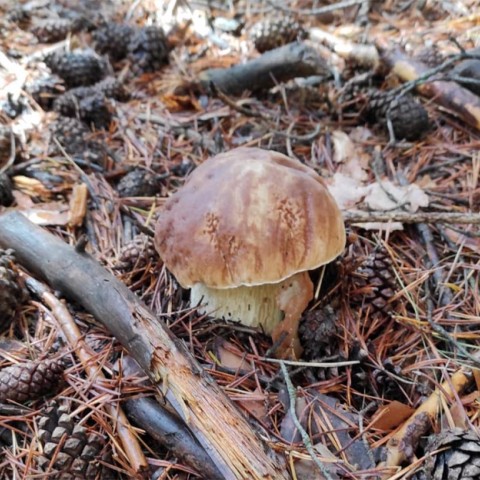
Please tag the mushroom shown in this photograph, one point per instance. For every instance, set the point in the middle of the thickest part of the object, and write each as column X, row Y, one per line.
column 242, row 233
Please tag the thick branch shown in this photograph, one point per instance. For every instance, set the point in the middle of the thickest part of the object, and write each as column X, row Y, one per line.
column 278, row 65
column 227, row 436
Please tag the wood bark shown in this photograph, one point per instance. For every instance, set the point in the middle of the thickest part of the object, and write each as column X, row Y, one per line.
column 279, row 65
column 450, row 95
column 225, row 433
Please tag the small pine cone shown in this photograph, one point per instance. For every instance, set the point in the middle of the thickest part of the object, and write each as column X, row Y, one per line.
column 455, row 455
column 113, row 39
column 6, row 193
column 430, row 56
column 318, row 332
column 70, row 133
column 52, row 30
column 12, row 294
column 45, row 90
column 70, row 450
column 409, row 118
column 139, row 183
column 148, row 50
column 137, row 253
column 113, row 88
column 5, row 144
column 469, row 69
column 76, row 68
column 31, row 380
column 275, row 33
column 374, row 282
column 92, row 109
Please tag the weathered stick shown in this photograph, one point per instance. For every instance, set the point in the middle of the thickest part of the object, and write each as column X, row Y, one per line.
column 170, row 432
column 233, row 445
column 460, row 101
column 279, row 65
column 409, row 217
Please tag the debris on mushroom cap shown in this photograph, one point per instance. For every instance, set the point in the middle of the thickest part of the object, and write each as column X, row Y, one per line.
column 248, row 217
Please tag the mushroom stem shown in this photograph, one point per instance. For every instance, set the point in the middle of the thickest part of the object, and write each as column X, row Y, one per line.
column 276, row 307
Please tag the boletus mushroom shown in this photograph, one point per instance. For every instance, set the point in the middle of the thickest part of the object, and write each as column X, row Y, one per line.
column 242, row 233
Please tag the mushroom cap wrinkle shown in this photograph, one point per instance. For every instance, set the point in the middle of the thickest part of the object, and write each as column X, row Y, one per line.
column 248, row 217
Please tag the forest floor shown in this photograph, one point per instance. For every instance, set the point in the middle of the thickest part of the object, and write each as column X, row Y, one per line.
column 401, row 305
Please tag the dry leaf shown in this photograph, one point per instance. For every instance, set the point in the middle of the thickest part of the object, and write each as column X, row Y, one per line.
column 387, row 196
column 472, row 243
column 391, row 416
column 347, row 191
column 230, row 357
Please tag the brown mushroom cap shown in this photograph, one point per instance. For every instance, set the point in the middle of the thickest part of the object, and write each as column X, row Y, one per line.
column 248, row 217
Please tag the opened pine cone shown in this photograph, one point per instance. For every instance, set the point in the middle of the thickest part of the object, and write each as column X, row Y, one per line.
column 148, row 50
column 408, row 118
column 113, row 39
column 374, row 282
column 71, row 450
column 137, row 253
column 12, row 294
column 455, row 455
column 31, row 380
column 275, row 33
column 76, row 68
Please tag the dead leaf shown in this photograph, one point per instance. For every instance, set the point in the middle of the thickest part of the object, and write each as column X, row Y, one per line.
column 347, row 191
column 385, row 195
column 354, row 161
column 472, row 243
column 391, row 416
column 230, row 357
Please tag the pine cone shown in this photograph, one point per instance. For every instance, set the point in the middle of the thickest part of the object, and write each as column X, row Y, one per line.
column 113, row 39
column 30, row 380
column 275, row 33
column 318, row 332
column 12, row 294
column 430, row 56
column 113, row 88
column 93, row 109
column 45, row 90
column 139, row 183
column 5, row 144
column 374, row 282
column 409, row 118
column 148, row 50
column 6, row 194
column 53, row 29
column 70, row 451
column 137, row 253
column 73, row 136
column 457, row 458
column 76, row 68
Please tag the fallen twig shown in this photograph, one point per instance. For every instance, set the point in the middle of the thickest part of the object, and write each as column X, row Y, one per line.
column 170, row 432
column 237, row 450
column 279, row 65
column 409, row 217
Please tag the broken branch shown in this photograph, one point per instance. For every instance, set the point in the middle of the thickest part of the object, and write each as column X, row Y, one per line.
column 225, row 433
